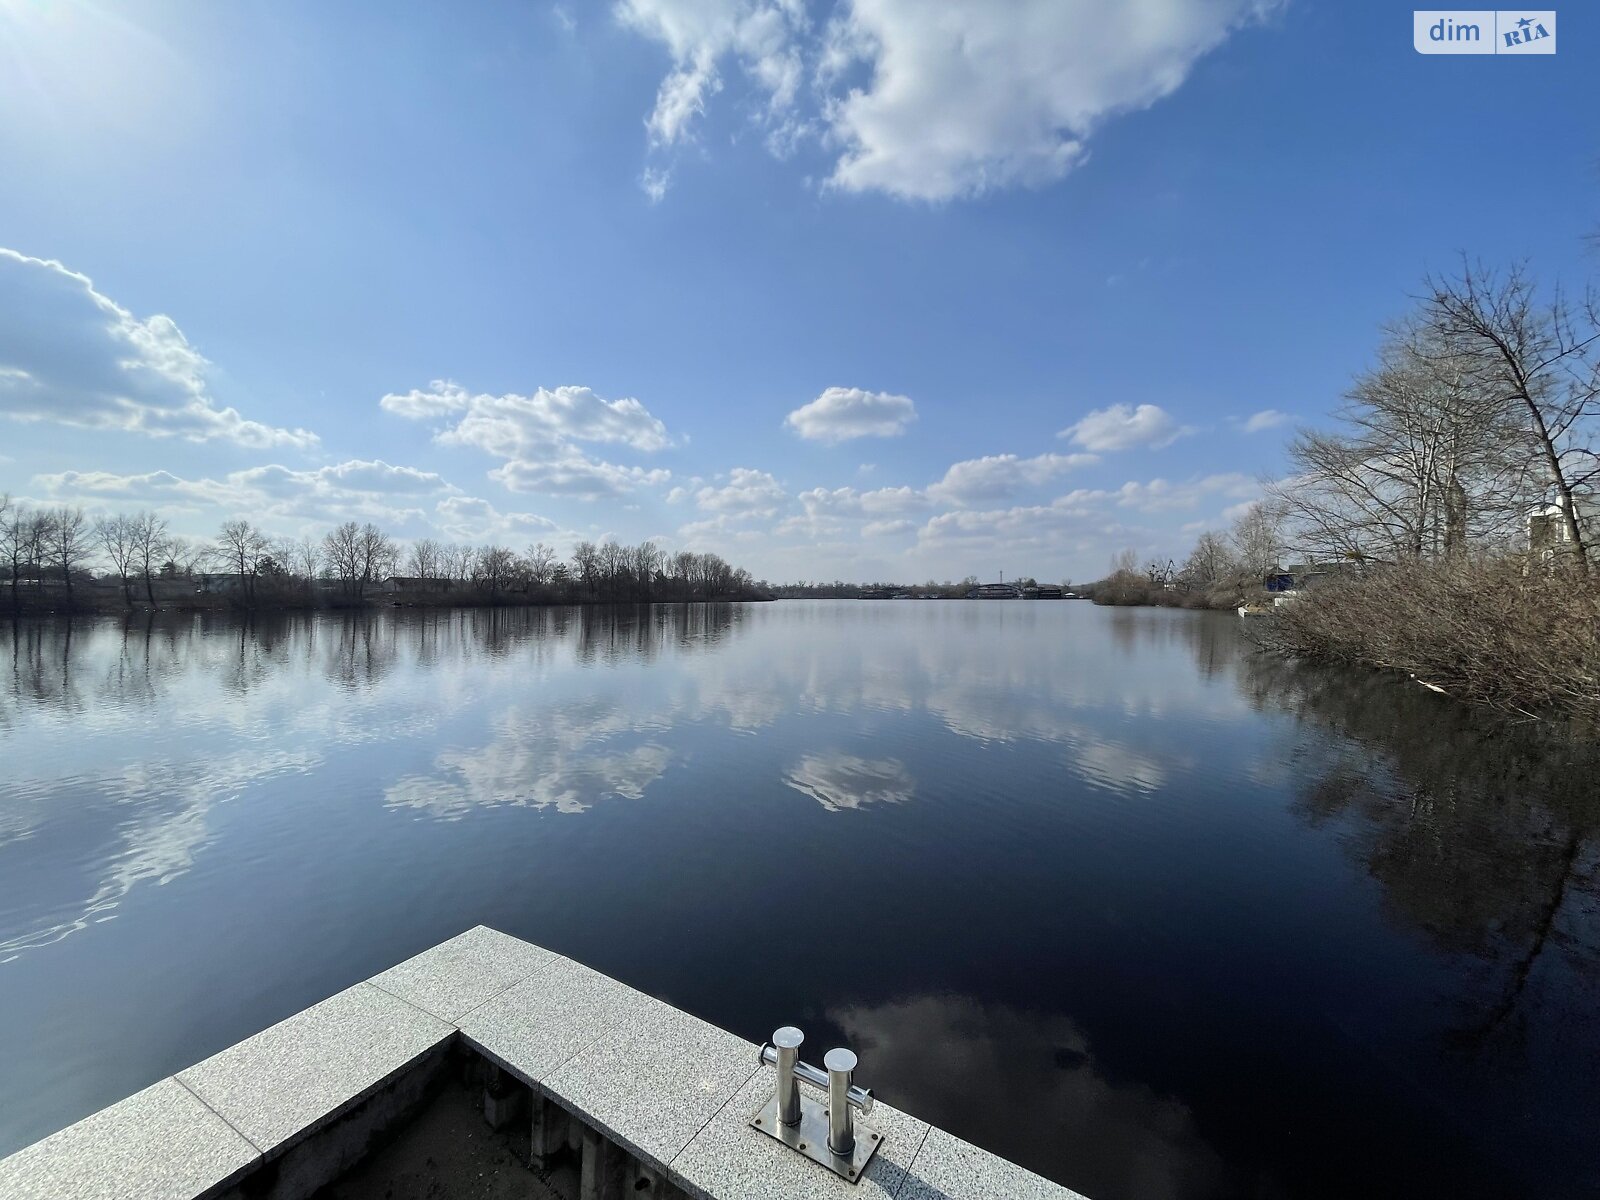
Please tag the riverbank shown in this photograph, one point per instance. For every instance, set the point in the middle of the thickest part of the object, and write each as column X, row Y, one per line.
column 1119, row 594
column 1490, row 631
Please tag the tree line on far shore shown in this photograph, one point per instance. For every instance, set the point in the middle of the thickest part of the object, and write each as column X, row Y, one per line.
column 48, row 557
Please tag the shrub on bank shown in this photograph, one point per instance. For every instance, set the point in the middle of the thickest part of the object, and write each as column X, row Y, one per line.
column 1490, row 630
column 1139, row 591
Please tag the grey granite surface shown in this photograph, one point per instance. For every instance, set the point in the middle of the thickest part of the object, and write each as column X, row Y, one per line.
column 455, row 977
column 534, row 1027
column 303, row 1072
column 653, row 1082
column 158, row 1144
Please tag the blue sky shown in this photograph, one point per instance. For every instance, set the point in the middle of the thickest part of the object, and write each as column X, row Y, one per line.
column 871, row 289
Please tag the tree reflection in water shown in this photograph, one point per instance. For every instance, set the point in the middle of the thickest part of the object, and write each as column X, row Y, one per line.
column 1481, row 832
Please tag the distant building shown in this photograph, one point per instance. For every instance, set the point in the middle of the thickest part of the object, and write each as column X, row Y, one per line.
column 219, row 584
column 1297, row 577
column 995, row 591
column 1547, row 528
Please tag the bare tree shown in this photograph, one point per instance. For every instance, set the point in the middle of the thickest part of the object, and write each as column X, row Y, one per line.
column 14, row 525
column 308, row 558
column 613, row 563
column 150, row 545
column 1257, row 538
column 495, row 569
column 541, row 562
column 359, row 555
column 341, row 548
column 585, row 565
column 381, row 555
column 645, row 558
column 1426, row 459
column 116, row 536
column 457, row 560
column 1534, row 360
column 242, row 546
column 68, row 543
column 1209, row 562
column 424, row 560
column 683, row 571
column 183, row 557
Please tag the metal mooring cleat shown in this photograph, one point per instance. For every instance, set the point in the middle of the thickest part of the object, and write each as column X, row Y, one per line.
column 828, row 1134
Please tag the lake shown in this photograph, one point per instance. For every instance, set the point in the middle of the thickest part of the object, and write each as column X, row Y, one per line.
column 1100, row 890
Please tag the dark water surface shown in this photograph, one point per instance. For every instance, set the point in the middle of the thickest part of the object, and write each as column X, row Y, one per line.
column 1098, row 890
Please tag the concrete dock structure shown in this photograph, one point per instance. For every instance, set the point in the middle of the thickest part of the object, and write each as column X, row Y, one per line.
column 645, row 1099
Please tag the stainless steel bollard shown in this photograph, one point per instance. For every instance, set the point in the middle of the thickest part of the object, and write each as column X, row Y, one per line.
column 787, row 1043
column 841, row 1064
column 825, row 1135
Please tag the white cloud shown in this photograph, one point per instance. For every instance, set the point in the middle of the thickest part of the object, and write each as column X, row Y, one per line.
column 934, row 102
column 747, row 493
column 759, row 34
column 655, row 183
column 71, row 355
column 1122, row 427
column 575, row 474
column 536, row 433
column 152, row 487
column 1267, row 418
column 360, row 488
column 887, row 528
column 1235, row 512
column 846, row 501
column 1075, row 513
column 724, row 527
column 840, row 414
column 358, row 475
column 997, row 476
column 1160, row 495
column 982, row 95
column 470, row 519
column 511, row 425
column 813, row 527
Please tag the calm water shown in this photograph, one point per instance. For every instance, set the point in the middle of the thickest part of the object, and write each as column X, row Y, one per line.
column 1098, row 890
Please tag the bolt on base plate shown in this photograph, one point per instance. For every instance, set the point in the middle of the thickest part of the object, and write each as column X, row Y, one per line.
column 810, row 1137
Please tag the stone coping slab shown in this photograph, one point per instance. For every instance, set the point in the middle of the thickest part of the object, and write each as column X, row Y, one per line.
column 653, row 1082
column 455, row 977
column 291, row 1079
column 531, row 1029
column 673, row 1090
column 159, row 1144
